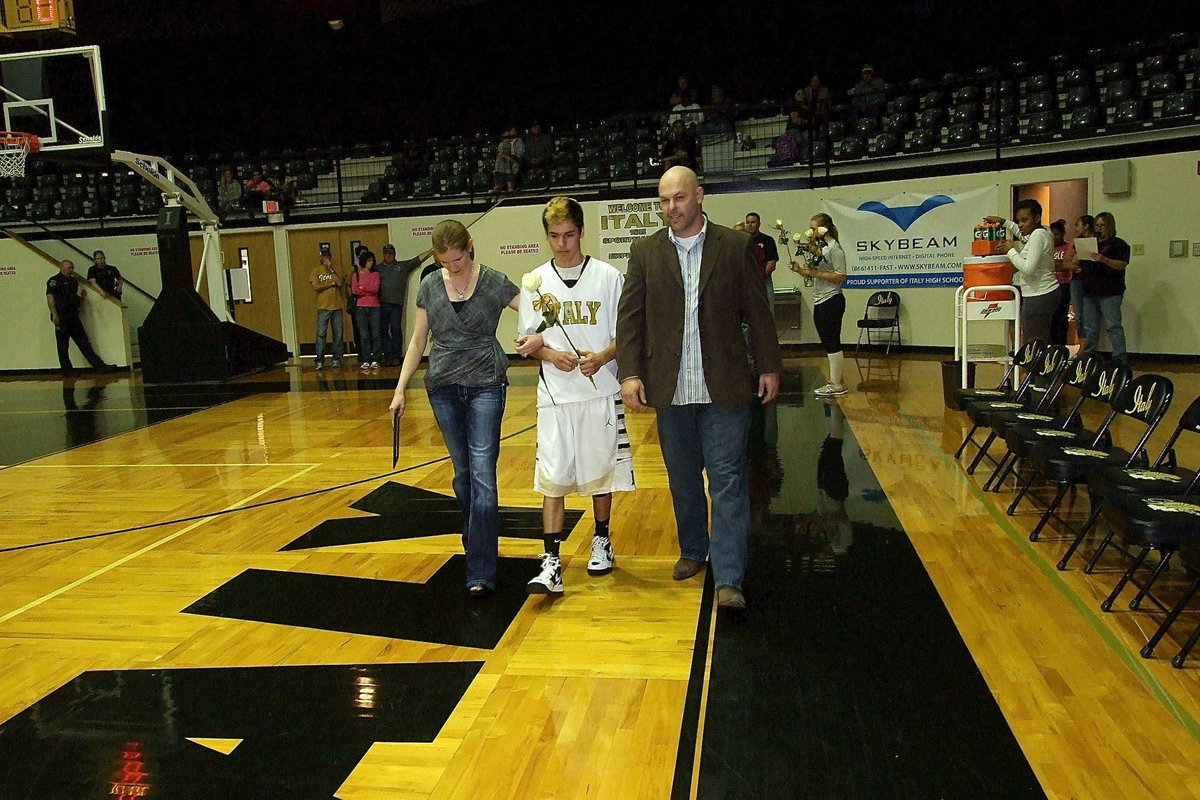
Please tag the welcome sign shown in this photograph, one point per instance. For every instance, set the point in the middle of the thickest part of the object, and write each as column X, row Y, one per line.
column 909, row 240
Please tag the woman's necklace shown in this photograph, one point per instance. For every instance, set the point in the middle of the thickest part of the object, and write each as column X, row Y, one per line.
column 463, row 291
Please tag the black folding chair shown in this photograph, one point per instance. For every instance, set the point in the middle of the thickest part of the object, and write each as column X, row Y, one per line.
column 1144, row 399
column 1163, row 477
column 881, row 317
column 1036, row 393
column 1020, row 436
column 1021, row 359
column 1189, row 552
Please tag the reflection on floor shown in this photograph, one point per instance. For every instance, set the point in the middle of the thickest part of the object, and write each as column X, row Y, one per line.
column 284, row 733
column 849, row 678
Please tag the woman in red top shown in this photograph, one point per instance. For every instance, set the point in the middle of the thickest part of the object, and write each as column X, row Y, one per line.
column 365, row 285
column 1059, row 323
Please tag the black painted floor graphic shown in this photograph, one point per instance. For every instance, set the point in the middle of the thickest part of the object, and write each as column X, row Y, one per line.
column 435, row 611
column 846, row 679
column 406, row 512
column 124, row 734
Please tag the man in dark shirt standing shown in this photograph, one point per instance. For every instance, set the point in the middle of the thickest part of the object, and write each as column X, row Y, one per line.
column 766, row 255
column 105, row 277
column 63, row 299
column 393, row 277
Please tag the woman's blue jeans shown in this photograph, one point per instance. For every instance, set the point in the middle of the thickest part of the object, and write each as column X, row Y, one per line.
column 469, row 417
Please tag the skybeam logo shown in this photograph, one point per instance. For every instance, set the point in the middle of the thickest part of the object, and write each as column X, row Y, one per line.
column 905, row 216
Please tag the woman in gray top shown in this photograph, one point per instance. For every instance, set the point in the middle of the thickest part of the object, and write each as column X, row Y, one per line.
column 460, row 305
column 827, row 267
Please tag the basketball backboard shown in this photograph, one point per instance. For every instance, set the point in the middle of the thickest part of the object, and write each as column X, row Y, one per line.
column 58, row 95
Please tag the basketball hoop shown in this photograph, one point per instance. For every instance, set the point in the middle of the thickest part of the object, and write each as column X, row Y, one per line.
column 14, row 148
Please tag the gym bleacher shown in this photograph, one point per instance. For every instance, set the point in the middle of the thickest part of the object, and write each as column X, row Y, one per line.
column 961, row 122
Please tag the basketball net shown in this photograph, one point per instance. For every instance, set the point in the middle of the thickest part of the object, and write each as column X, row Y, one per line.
column 14, row 149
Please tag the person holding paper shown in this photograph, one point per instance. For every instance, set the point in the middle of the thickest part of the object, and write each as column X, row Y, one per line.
column 1031, row 251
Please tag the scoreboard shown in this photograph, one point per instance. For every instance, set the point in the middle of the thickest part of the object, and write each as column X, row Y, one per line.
column 22, row 16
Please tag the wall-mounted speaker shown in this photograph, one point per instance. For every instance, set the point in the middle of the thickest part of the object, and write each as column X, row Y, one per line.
column 1116, row 177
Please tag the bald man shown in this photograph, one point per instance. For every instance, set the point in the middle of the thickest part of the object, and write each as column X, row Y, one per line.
column 680, row 350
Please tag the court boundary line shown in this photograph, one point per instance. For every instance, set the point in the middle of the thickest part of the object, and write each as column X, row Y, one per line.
column 125, row 559
column 236, row 509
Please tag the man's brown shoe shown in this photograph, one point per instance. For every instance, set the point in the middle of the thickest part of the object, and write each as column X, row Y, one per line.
column 686, row 568
column 730, row 597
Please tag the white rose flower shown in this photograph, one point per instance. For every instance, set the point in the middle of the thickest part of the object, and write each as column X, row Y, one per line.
column 808, row 234
column 821, row 231
column 778, row 223
column 531, row 281
column 797, row 238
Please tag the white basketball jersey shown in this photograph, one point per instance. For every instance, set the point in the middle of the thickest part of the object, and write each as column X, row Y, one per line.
column 588, row 313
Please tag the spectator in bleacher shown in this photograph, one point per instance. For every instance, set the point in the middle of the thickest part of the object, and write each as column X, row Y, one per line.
column 800, row 119
column 1059, row 324
column 229, row 192
column 257, row 190
column 718, row 114
column 1104, row 287
column 1031, row 250
column 680, row 149
column 105, row 277
column 63, row 297
column 868, row 96
column 507, row 169
column 412, row 166
column 365, row 285
column 539, row 148
column 817, row 98
column 683, row 90
column 688, row 112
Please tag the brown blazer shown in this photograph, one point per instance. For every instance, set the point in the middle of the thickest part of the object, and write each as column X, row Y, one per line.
column 650, row 318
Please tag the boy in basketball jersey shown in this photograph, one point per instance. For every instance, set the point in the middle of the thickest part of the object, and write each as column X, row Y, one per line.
column 582, row 445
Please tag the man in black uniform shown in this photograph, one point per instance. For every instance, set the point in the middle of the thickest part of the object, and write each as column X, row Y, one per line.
column 62, row 296
column 105, row 277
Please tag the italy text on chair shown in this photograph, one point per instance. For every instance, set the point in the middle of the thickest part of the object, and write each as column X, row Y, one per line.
column 880, row 320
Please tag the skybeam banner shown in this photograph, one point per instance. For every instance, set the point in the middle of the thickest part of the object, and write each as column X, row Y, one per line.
column 909, row 240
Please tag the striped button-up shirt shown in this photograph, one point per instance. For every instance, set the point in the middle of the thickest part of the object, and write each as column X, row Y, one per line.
column 690, row 386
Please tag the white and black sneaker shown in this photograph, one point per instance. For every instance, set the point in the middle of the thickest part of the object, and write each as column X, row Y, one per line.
column 601, row 562
column 549, row 580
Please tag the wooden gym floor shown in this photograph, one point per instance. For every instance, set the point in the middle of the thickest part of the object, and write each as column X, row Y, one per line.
column 226, row 591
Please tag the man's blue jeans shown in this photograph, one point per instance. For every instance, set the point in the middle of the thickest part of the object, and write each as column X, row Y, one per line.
column 469, row 417
column 1108, row 310
column 702, row 438
column 329, row 318
column 393, row 331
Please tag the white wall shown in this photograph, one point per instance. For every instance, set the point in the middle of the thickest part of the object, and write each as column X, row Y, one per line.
column 1160, row 305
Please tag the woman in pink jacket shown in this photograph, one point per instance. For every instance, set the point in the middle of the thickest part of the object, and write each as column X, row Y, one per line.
column 365, row 285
